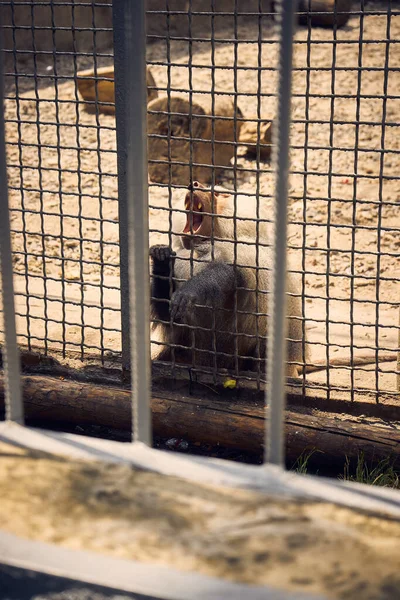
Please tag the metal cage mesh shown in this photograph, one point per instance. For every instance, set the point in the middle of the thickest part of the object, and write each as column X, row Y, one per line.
column 344, row 221
column 62, row 179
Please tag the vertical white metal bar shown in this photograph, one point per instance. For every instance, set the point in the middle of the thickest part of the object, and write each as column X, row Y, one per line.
column 398, row 356
column 13, row 396
column 131, row 121
column 120, row 116
column 277, row 329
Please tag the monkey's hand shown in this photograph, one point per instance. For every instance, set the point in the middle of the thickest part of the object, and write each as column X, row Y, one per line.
column 163, row 260
column 161, row 253
column 182, row 303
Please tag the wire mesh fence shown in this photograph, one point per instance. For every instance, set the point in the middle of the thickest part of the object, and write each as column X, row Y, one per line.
column 212, row 82
column 62, row 173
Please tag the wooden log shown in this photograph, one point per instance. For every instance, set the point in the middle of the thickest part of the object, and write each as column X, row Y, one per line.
column 99, row 87
column 223, row 422
column 322, row 12
column 173, row 122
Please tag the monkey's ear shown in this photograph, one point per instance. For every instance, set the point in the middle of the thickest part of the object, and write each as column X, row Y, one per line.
column 222, row 194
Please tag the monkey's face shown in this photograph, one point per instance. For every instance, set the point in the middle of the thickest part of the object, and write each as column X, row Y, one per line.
column 202, row 206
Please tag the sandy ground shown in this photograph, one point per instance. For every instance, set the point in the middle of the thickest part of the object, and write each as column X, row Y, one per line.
column 233, row 534
column 78, row 254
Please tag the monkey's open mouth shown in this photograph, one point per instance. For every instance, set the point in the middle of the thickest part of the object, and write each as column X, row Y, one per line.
column 194, row 218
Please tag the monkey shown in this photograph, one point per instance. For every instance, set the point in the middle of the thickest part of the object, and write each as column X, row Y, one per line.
column 204, row 289
column 210, row 288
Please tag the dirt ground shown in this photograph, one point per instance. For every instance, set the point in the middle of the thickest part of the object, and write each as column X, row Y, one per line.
column 238, row 535
column 351, row 272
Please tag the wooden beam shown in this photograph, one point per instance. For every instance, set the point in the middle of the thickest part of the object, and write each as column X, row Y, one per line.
column 223, row 421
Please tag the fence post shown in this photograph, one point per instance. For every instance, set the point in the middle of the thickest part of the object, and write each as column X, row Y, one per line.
column 398, row 356
column 129, row 20
column 120, row 116
column 277, row 327
column 13, row 396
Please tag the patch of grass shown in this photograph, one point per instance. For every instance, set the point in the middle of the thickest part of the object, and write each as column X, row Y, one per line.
column 301, row 464
column 382, row 473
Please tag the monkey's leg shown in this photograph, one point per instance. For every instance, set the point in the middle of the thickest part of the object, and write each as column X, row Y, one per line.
column 213, row 288
column 163, row 263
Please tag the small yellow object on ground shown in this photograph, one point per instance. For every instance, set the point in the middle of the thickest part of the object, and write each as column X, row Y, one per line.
column 230, row 383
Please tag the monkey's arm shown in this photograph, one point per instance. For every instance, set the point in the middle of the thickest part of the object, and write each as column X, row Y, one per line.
column 163, row 259
column 212, row 287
